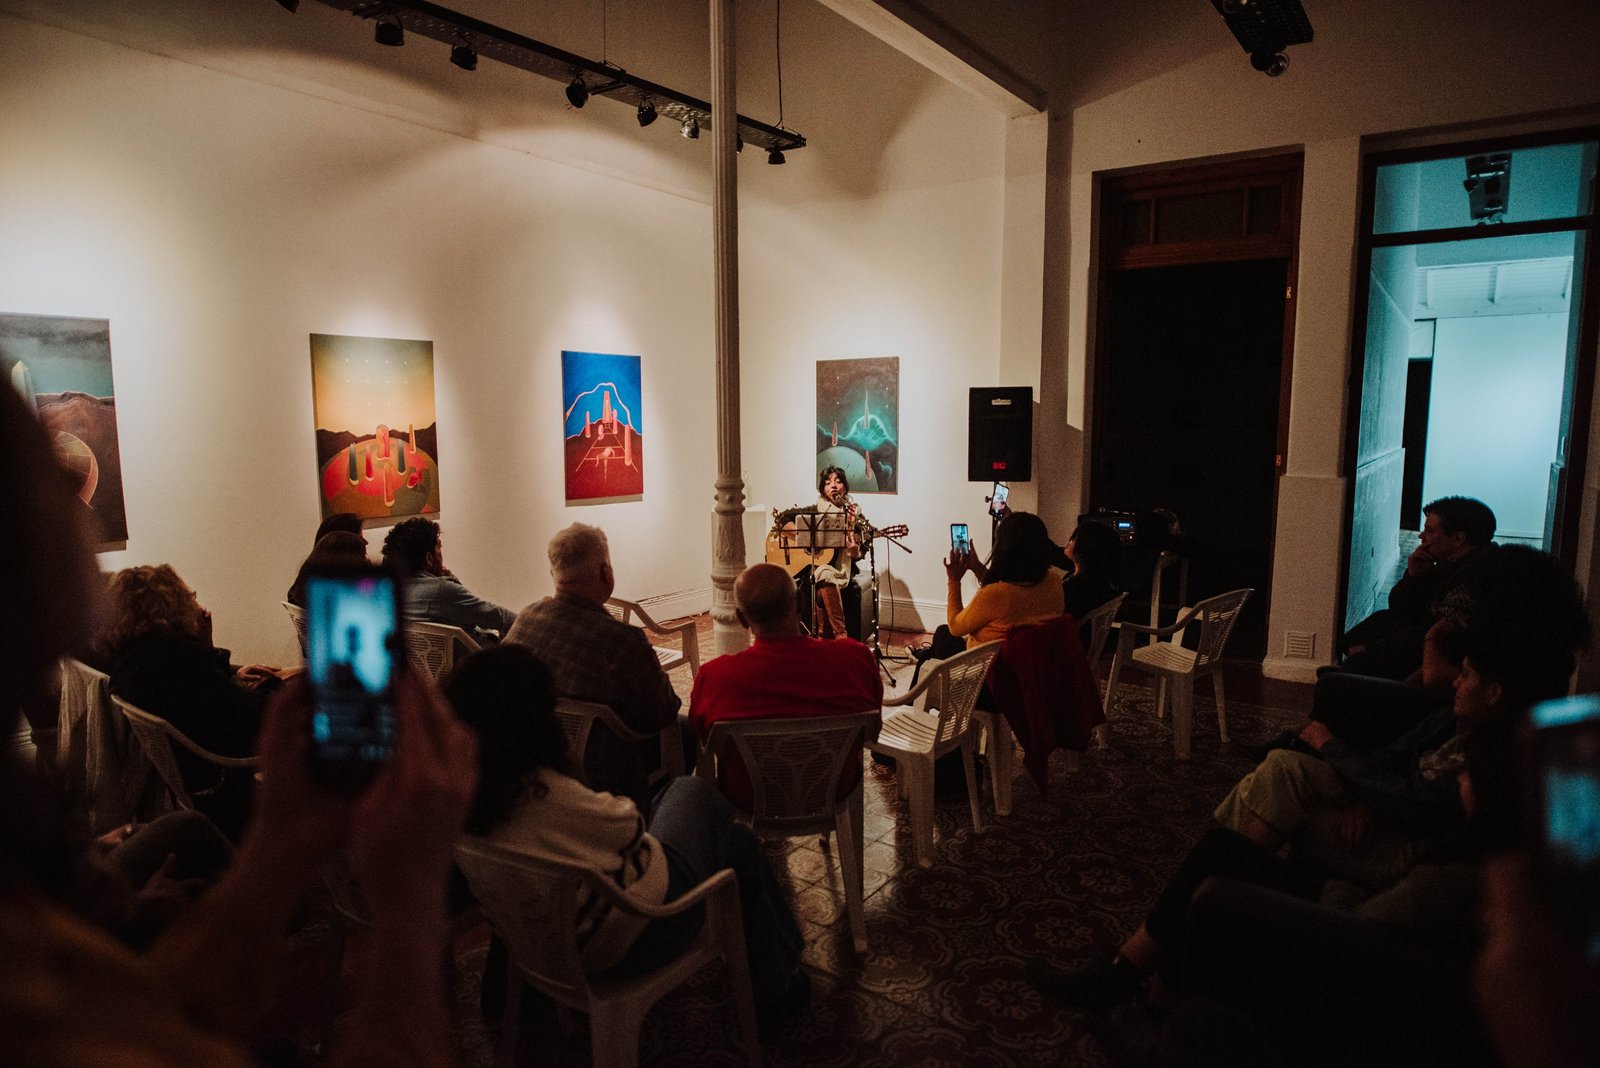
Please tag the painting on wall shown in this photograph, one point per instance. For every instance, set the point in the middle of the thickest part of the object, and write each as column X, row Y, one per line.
column 377, row 435
column 858, row 421
column 62, row 368
column 601, row 399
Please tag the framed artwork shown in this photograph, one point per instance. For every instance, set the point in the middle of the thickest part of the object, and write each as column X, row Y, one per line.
column 62, row 368
column 377, row 436
column 858, row 421
column 604, row 440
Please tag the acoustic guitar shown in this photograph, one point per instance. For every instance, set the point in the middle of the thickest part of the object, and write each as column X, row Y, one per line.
column 794, row 559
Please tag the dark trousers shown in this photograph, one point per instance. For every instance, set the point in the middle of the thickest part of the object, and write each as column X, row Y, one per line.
column 694, row 824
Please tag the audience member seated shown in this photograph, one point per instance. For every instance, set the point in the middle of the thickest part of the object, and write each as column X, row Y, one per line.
column 1456, row 532
column 594, row 657
column 527, row 801
column 783, row 673
column 1096, row 556
column 339, row 547
column 432, row 593
column 71, row 994
column 162, row 660
column 1365, row 817
column 1018, row 586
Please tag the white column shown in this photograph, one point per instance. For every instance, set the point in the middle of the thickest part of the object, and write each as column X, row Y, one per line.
column 727, row 520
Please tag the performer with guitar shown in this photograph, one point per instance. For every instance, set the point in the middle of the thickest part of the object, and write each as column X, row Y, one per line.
column 831, row 569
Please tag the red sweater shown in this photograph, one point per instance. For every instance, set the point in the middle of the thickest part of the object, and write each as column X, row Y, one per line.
column 790, row 676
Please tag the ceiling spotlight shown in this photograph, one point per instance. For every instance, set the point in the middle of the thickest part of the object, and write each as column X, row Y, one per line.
column 775, row 157
column 577, row 93
column 464, row 56
column 738, row 143
column 289, row 5
column 690, row 129
column 1269, row 61
column 647, row 112
column 389, row 31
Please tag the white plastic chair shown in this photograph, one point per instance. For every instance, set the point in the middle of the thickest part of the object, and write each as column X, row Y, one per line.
column 795, row 764
column 97, row 754
column 934, row 718
column 432, row 646
column 578, row 720
column 156, row 735
column 297, row 616
column 1178, row 668
column 670, row 658
column 1101, row 622
column 532, row 903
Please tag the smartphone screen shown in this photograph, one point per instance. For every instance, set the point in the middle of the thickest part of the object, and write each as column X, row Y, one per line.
column 1563, row 766
column 960, row 539
column 997, row 499
column 353, row 646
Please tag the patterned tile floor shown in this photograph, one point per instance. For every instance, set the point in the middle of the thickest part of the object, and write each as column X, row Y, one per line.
column 1071, row 870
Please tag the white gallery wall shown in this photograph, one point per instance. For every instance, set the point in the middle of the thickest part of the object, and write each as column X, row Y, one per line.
column 1417, row 69
column 218, row 205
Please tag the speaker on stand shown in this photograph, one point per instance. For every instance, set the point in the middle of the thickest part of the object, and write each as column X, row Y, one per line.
column 1000, row 434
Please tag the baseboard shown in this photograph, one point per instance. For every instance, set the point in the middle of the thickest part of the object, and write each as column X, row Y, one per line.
column 1290, row 669
column 909, row 613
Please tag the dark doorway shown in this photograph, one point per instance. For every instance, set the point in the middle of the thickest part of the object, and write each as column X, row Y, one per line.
column 1192, row 375
column 1414, row 439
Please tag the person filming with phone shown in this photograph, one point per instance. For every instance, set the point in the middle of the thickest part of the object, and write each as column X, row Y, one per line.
column 1017, row 586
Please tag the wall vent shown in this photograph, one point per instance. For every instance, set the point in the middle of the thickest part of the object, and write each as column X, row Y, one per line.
column 1299, row 644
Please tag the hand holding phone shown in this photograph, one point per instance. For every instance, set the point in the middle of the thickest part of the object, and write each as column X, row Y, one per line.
column 960, row 539
column 354, row 652
column 998, row 498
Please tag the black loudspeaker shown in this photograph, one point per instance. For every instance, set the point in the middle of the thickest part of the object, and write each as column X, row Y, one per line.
column 1000, row 434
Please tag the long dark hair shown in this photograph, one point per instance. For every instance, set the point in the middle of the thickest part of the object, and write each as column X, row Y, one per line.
column 506, row 695
column 1022, row 550
column 822, row 478
column 1098, row 552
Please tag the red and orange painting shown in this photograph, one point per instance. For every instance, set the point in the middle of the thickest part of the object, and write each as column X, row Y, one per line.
column 377, row 435
column 604, row 452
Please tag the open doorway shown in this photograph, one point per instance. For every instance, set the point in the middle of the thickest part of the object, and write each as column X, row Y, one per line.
column 1192, row 374
column 1476, row 259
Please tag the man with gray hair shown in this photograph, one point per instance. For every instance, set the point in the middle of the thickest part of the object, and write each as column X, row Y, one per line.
column 593, row 657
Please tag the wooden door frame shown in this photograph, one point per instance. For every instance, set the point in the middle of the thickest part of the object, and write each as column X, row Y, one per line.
column 1112, row 191
column 1569, row 502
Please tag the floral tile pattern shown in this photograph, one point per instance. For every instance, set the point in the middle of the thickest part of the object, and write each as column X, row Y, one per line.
column 1069, row 872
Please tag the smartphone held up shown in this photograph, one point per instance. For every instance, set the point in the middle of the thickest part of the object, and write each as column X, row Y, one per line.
column 354, row 651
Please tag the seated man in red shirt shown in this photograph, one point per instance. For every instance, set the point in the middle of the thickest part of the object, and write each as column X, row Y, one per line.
column 783, row 673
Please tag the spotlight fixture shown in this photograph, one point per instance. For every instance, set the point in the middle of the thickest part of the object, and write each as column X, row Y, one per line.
column 1269, row 62
column 1264, row 28
column 468, row 39
column 1488, row 186
column 738, row 143
column 775, row 157
column 389, row 32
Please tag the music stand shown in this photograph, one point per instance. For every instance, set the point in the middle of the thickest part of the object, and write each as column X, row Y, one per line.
column 815, row 532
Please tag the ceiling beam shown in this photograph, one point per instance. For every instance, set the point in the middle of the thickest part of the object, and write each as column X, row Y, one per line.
column 909, row 29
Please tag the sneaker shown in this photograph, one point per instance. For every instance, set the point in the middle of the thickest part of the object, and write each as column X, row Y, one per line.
column 920, row 653
column 1099, row 987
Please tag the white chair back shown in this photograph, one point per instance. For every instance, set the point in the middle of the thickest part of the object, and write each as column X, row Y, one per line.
column 432, row 646
column 794, row 764
column 156, row 736
column 1099, row 623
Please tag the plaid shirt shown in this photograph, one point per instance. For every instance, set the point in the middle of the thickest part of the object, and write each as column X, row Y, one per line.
column 593, row 657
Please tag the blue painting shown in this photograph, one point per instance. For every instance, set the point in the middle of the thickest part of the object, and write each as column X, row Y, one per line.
column 602, row 426
column 858, row 421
